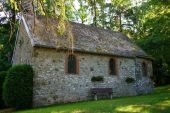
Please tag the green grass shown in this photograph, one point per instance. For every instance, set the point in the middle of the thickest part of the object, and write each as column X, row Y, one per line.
column 157, row 102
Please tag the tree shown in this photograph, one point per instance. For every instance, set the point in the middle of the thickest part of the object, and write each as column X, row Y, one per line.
column 153, row 35
column 121, row 6
column 82, row 11
column 70, row 10
column 7, row 37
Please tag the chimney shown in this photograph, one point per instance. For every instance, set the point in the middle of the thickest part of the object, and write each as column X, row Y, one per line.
column 27, row 7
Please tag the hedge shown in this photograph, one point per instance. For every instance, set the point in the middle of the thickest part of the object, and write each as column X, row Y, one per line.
column 18, row 86
column 97, row 79
column 129, row 80
column 2, row 78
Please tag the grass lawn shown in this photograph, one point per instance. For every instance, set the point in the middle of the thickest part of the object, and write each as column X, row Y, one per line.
column 157, row 102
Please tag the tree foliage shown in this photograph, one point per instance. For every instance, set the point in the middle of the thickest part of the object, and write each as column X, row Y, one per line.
column 154, row 36
column 146, row 22
column 6, row 47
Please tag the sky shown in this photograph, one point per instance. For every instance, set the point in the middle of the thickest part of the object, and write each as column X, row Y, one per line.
column 2, row 14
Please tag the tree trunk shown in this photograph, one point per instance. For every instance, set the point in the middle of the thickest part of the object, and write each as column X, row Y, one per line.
column 120, row 22
column 95, row 13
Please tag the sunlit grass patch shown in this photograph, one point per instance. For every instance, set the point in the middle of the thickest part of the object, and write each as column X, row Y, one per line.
column 164, row 104
column 132, row 108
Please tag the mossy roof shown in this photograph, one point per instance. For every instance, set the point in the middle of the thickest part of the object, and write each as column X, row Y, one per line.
column 86, row 38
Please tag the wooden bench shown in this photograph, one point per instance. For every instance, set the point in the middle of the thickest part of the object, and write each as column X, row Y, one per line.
column 99, row 91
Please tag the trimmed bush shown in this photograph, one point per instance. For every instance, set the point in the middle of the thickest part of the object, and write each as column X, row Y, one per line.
column 18, row 86
column 97, row 79
column 129, row 80
column 2, row 79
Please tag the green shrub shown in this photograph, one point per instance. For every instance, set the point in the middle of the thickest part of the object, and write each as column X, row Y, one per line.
column 129, row 80
column 18, row 86
column 2, row 78
column 97, row 79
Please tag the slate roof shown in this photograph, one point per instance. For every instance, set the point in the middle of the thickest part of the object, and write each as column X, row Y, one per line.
column 86, row 38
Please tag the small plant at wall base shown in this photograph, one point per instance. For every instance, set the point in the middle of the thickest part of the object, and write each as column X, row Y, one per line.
column 97, row 79
column 18, row 86
column 129, row 80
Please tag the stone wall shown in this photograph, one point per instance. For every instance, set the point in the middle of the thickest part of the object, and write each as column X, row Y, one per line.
column 144, row 84
column 53, row 85
column 23, row 49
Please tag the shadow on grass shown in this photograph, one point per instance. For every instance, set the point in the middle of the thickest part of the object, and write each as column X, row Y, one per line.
column 7, row 110
column 157, row 102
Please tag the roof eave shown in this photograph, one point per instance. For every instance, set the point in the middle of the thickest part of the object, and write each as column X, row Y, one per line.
column 91, row 52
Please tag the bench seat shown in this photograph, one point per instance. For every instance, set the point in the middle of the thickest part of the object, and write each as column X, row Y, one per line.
column 97, row 91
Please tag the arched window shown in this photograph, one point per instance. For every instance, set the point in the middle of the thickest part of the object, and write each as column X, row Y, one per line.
column 112, row 67
column 144, row 69
column 72, row 64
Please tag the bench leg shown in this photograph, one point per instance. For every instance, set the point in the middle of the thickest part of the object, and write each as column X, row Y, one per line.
column 95, row 97
column 111, row 96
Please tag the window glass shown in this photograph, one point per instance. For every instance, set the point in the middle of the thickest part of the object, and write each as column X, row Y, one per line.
column 72, row 64
column 112, row 67
column 144, row 68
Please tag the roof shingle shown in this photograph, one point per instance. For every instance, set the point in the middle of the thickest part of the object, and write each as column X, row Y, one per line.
column 86, row 38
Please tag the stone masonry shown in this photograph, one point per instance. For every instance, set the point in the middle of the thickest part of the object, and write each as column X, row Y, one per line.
column 53, row 85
